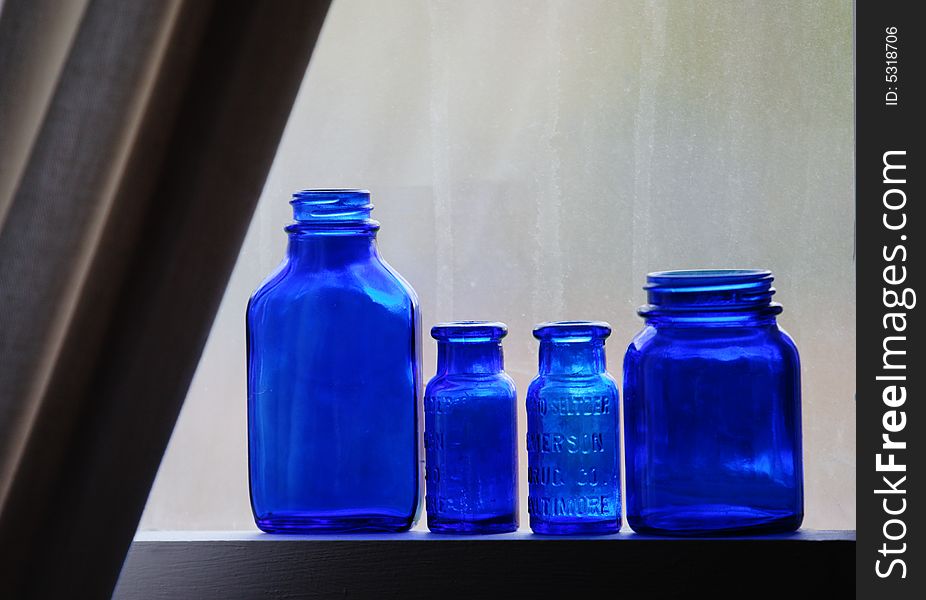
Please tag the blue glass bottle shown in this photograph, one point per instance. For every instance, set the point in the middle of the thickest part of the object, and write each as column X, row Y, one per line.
column 471, row 432
column 333, row 378
column 573, row 443
column 712, row 409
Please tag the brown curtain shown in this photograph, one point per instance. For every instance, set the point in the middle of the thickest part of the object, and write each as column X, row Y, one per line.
column 135, row 137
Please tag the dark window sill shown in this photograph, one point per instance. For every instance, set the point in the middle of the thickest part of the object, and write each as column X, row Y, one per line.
column 232, row 565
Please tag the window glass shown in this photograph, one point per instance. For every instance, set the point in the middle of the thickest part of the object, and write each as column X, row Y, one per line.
column 532, row 161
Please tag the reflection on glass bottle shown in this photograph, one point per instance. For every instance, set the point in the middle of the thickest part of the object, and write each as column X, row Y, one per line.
column 471, row 432
column 333, row 378
column 712, row 408
column 573, row 444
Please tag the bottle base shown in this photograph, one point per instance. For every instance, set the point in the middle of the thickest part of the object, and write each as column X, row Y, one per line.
column 575, row 527
column 714, row 520
column 442, row 525
column 307, row 524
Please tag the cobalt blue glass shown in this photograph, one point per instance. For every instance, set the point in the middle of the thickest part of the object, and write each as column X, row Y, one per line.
column 573, row 442
column 333, row 378
column 712, row 409
column 470, row 416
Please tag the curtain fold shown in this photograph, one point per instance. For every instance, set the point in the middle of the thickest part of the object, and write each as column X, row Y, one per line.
column 119, row 227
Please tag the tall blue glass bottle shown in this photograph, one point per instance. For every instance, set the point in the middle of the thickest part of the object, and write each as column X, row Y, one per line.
column 471, row 433
column 333, row 378
column 712, row 408
column 573, row 442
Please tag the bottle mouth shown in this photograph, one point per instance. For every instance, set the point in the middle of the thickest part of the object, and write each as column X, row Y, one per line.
column 709, row 290
column 332, row 207
column 473, row 332
column 572, row 331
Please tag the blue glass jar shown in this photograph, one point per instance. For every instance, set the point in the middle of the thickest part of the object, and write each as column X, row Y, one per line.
column 712, row 409
column 470, row 416
column 333, row 378
column 573, row 443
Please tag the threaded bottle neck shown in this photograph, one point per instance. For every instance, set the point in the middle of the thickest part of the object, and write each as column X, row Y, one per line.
column 711, row 296
column 332, row 228
column 332, row 211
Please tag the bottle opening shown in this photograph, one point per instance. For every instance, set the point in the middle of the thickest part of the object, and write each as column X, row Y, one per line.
column 332, row 207
column 572, row 331
column 728, row 290
column 469, row 331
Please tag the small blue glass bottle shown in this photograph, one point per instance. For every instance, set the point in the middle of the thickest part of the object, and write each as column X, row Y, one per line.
column 712, row 409
column 573, row 443
column 471, row 433
column 333, row 378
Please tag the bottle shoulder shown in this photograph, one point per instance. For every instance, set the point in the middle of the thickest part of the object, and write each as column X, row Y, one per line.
column 786, row 340
column 400, row 281
column 270, row 283
column 370, row 281
column 596, row 383
column 767, row 341
column 471, row 384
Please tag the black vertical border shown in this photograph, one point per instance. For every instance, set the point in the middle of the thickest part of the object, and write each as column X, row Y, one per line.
column 882, row 128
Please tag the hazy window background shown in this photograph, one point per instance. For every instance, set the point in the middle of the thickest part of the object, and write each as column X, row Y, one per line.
column 532, row 161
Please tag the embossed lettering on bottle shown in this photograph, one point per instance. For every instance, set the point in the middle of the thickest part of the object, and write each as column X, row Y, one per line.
column 470, row 433
column 572, row 437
